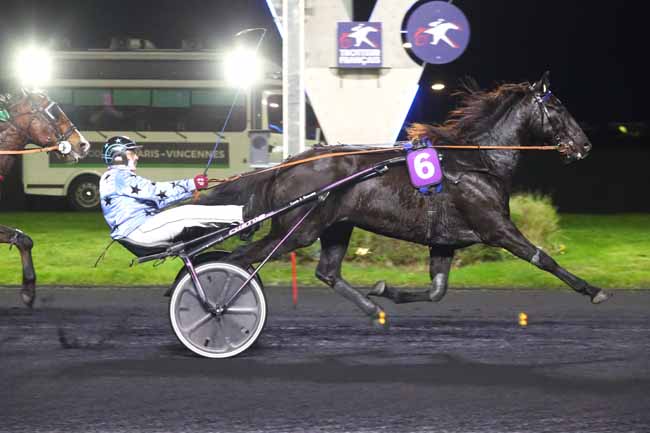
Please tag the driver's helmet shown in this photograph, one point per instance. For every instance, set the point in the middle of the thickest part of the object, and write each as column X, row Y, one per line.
column 115, row 149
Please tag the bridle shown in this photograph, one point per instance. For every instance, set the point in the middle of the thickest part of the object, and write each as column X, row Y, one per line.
column 50, row 113
column 564, row 147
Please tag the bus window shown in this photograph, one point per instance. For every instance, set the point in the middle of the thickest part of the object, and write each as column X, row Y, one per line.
column 210, row 109
column 152, row 109
column 83, row 97
column 274, row 107
column 274, row 112
column 94, row 109
column 137, row 97
column 172, row 98
column 60, row 96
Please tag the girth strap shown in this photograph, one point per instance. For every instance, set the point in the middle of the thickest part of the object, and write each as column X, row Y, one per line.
column 430, row 216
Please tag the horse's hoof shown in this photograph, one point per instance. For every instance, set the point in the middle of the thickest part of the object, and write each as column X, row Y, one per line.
column 380, row 321
column 378, row 289
column 600, row 297
column 28, row 298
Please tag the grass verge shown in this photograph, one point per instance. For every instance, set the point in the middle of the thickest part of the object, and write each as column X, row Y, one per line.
column 610, row 251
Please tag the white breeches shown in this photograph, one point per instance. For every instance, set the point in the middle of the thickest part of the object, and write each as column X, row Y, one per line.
column 162, row 228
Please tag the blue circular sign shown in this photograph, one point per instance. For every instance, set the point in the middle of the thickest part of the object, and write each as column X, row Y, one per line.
column 438, row 32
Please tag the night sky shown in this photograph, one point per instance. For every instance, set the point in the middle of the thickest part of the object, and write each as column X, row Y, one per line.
column 595, row 51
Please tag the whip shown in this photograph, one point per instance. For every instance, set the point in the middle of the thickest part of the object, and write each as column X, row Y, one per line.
column 234, row 101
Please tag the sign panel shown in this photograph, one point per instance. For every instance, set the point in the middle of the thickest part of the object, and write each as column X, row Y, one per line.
column 438, row 32
column 160, row 155
column 424, row 167
column 359, row 44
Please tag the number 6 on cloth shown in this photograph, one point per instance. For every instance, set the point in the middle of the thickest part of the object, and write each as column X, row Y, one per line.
column 424, row 167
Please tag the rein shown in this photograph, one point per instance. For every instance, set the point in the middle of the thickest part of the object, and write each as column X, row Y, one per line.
column 361, row 152
column 539, row 99
column 24, row 152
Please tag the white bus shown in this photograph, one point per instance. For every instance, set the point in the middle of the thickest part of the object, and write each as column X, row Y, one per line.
column 173, row 102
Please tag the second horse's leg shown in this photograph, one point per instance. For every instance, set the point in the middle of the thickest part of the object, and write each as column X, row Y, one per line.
column 439, row 264
column 334, row 243
column 24, row 244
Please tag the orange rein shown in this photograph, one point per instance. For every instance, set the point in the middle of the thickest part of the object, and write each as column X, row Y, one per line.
column 359, row 152
column 25, row 152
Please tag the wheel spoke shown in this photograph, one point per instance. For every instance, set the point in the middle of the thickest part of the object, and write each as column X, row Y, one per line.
column 221, row 336
column 242, row 310
column 241, row 292
column 230, row 329
column 224, row 291
column 194, row 326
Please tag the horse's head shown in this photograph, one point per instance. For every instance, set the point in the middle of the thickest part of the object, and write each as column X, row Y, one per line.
column 43, row 123
column 551, row 120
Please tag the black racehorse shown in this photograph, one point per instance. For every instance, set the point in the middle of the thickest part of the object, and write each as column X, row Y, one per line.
column 473, row 206
column 30, row 117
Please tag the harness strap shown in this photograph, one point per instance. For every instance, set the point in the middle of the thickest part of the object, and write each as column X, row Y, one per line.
column 430, row 216
column 361, row 152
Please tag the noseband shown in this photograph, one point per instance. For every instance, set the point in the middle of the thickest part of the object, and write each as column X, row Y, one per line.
column 564, row 147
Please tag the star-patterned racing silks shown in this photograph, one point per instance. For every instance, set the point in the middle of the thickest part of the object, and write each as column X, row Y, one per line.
column 128, row 200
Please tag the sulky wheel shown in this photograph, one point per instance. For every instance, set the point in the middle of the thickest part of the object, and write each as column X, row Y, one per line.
column 220, row 333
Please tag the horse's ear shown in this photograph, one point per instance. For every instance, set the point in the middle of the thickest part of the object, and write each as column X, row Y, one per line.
column 544, row 83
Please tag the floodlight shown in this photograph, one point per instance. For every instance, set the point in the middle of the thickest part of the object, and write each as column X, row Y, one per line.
column 242, row 68
column 33, row 66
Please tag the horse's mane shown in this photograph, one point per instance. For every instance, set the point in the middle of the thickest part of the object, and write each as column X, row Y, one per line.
column 5, row 98
column 477, row 113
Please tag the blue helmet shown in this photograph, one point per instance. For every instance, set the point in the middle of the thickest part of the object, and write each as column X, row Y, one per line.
column 115, row 149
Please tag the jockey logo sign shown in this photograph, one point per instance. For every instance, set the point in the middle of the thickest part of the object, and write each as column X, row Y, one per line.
column 424, row 167
column 438, row 32
column 359, row 45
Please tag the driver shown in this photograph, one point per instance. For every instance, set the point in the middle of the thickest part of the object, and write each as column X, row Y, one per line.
column 133, row 206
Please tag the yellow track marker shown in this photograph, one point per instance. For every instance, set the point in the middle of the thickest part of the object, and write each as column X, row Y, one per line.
column 523, row 319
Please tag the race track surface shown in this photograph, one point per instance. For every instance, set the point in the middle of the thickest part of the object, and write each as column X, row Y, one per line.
column 106, row 360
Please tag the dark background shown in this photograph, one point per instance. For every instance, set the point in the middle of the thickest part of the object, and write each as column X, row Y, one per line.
column 595, row 52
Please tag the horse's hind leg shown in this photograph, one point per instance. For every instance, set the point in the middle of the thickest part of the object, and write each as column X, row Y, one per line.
column 24, row 244
column 439, row 264
column 334, row 243
column 257, row 251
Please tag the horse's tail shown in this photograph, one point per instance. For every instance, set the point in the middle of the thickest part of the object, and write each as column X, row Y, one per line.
column 248, row 191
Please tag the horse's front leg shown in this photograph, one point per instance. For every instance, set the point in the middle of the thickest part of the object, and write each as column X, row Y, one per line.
column 24, row 244
column 439, row 264
column 505, row 234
